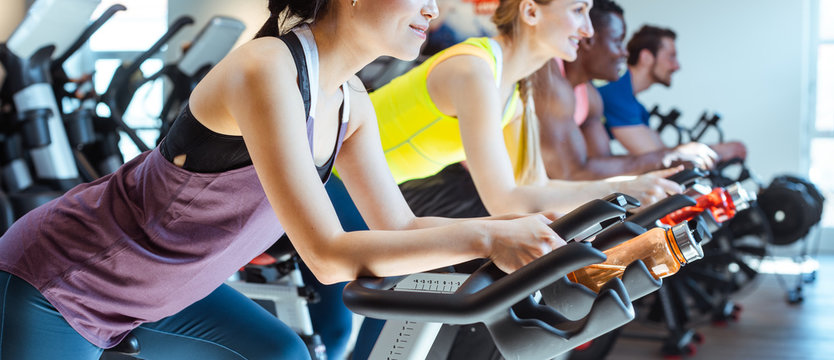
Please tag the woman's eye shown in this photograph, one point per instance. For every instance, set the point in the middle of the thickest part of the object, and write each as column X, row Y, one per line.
column 582, row 9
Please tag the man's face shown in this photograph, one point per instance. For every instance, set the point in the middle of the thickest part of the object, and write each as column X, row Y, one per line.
column 607, row 54
column 666, row 62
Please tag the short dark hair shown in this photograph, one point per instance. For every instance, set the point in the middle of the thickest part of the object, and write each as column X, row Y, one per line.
column 649, row 38
column 599, row 11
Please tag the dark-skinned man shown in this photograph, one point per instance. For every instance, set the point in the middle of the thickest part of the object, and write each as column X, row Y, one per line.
column 575, row 144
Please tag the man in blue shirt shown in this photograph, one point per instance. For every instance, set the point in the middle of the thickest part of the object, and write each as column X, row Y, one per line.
column 652, row 59
column 574, row 142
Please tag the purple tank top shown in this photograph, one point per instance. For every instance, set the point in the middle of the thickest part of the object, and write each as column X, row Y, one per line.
column 142, row 243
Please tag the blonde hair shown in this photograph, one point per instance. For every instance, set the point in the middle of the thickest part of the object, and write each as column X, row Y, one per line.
column 529, row 168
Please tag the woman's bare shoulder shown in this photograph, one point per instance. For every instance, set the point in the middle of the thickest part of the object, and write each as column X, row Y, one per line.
column 260, row 56
column 256, row 73
column 256, row 68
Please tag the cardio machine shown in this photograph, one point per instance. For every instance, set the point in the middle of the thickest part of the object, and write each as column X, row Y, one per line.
column 208, row 47
column 520, row 327
column 785, row 213
column 33, row 132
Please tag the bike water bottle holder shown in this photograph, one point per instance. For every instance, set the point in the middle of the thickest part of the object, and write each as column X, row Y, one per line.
column 574, row 300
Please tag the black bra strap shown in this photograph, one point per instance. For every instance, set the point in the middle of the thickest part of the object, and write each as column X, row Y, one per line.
column 297, row 51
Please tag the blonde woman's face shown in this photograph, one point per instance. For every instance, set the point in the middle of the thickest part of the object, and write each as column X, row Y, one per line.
column 399, row 27
column 563, row 24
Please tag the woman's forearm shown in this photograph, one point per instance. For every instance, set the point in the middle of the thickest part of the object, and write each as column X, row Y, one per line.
column 554, row 195
column 390, row 253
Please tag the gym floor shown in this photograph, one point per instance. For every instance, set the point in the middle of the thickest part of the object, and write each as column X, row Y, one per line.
column 769, row 328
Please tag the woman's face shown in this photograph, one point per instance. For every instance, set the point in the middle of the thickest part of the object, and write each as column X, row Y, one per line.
column 563, row 23
column 398, row 27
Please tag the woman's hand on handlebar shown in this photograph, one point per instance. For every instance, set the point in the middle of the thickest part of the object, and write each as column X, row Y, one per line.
column 652, row 187
column 515, row 243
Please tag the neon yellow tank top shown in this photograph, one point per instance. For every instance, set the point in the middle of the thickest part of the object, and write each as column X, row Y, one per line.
column 417, row 138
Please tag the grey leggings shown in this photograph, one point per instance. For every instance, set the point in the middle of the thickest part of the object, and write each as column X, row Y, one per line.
column 223, row 325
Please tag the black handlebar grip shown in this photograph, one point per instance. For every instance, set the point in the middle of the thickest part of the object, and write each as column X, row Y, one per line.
column 589, row 214
column 687, row 176
column 647, row 216
column 88, row 32
column 470, row 304
column 623, row 200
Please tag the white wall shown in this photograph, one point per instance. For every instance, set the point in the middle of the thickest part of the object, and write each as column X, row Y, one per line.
column 252, row 13
column 748, row 61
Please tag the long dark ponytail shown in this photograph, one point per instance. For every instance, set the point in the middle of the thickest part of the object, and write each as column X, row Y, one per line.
column 296, row 10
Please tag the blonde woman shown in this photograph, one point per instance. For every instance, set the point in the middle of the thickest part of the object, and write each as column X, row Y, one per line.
column 453, row 108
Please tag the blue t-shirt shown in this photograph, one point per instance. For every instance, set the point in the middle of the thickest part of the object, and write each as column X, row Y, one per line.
column 620, row 107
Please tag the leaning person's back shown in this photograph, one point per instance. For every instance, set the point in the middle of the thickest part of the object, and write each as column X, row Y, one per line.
column 143, row 243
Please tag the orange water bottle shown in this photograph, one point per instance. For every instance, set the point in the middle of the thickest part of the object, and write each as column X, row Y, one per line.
column 663, row 251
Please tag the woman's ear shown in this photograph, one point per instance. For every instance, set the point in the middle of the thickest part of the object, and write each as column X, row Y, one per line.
column 529, row 12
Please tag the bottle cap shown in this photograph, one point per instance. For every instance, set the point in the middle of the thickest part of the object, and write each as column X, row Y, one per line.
column 740, row 196
column 690, row 249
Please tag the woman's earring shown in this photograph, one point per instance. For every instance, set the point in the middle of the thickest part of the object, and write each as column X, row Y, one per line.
column 353, row 3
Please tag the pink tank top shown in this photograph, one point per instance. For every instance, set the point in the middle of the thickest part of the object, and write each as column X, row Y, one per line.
column 580, row 95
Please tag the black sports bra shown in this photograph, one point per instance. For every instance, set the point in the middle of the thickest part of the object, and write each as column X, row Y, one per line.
column 211, row 152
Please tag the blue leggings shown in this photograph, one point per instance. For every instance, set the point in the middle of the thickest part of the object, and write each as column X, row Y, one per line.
column 331, row 319
column 223, row 325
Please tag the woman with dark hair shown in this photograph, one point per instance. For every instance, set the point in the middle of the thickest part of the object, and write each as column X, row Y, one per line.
column 147, row 248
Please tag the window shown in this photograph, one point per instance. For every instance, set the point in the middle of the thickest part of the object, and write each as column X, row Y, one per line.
column 822, row 140
column 120, row 40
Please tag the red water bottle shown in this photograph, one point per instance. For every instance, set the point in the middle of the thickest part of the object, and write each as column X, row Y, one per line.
column 721, row 203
